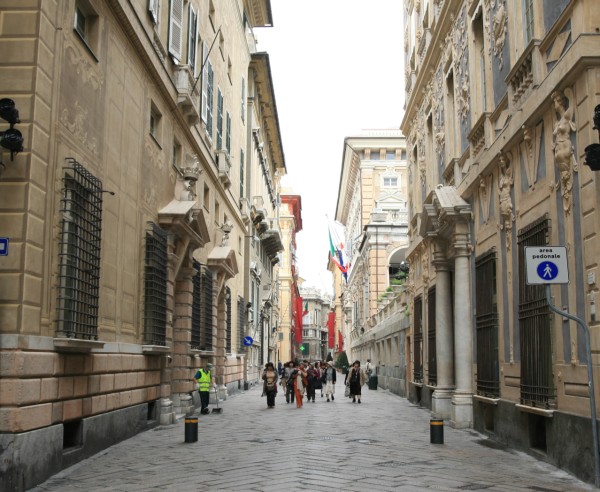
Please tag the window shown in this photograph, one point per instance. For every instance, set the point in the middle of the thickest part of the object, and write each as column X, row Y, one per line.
column 175, row 29
column 528, row 14
column 154, row 10
column 228, row 133
column 228, row 329
column 202, row 305
column 241, row 316
column 155, row 286
column 176, row 155
column 155, row 122
column 192, row 39
column 219, row 119
column 243, row 110
column 207, row 90
column 229, row 69
column 242, row 165
column 86, row 24
column 390, row 155
column 375, row 155
column 217, row 212
column 206, row 199
column 390, row 182
column 431, row 336
column 79, row 254
column 222, row 45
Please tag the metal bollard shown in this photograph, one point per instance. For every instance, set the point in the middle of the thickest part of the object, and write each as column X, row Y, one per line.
column 436, row 428
column 191, row 429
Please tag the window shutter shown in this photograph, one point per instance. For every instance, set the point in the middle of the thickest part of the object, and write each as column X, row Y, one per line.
column 219, row 120
column 192, row 40
column 210, row 98
column 243, row 99
column 204, row 83
column 175, row 28
column 228, row 134
column 154, row 9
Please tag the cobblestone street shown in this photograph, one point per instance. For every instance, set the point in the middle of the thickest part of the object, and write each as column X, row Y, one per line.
column 382, row 444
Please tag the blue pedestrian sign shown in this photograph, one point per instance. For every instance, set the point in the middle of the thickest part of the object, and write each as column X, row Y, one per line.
column 546, row 265
column 3, row 246
column 248, row 341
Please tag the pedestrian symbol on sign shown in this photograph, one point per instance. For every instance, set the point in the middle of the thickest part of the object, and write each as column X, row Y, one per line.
column 547, row 270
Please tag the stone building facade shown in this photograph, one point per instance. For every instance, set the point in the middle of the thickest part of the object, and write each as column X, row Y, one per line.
column 373, row 207
column 500, row 97
column 151, row 160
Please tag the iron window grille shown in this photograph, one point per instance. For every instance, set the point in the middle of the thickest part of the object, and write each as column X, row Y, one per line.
column 241, row 312
column 228, row 322
column 431, row 335
column 537, row 388
column 155, row 286
column 486, row 323
column 196, row 306
column 202, row 309
column 79, row 254
column 418, row 341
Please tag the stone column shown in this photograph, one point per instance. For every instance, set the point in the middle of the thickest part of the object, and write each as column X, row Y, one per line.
column 462, row 400
column 444, row 337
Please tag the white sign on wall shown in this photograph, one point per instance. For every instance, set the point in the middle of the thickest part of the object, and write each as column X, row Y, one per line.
column 546, row 265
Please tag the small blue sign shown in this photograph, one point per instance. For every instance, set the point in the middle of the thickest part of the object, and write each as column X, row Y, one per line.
column 248, row 341
column 3, row 246
column 547, row 270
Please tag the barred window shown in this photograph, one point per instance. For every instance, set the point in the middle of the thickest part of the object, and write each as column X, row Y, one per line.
column 241, row 315
column 202, row 305
column 155, row 286
column 229, row 327
column 79, row 254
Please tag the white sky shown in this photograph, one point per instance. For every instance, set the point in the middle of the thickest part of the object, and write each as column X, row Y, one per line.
column 337, row 68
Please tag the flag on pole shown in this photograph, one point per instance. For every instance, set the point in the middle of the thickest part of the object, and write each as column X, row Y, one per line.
column 305, row 312
column 337, row 257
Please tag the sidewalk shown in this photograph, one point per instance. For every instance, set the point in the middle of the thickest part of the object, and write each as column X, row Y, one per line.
column 382, row 444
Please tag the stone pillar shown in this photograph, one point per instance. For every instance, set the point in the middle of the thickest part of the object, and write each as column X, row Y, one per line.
column 182, row 383
column 220, row 349
column 444, row 337
column 462, row 400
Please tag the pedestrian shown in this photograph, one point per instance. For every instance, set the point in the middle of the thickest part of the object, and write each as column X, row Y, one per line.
column 289, row 378
column 329, row 377
column 203, row 378
column 300, row 383
column 368, row 368
column 270, row 377
column 356, row 378
column 311, row 380
column 319, row 368
column 279, row 368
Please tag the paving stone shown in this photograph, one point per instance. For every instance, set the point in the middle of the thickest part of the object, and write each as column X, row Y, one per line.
column 380, row 445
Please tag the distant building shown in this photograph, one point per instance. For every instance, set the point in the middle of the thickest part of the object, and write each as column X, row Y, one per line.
column 373, row 206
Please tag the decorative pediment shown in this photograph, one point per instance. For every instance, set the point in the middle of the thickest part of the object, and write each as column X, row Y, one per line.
column 186, row 221
column 443, row 207
column 392, row 200
column 222, row 262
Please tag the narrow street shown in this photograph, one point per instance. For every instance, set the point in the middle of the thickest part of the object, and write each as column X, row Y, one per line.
column 382, row 444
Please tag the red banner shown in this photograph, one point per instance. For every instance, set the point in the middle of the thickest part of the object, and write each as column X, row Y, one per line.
column 299, row 308
column 331, row 330
column 340, row 341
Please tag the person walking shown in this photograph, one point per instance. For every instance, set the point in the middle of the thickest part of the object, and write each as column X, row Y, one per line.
column 356, row 379
column 203, row 378
column 300, row 383
column 270, row 377
column 319, row 368
column 329, row 378
column 289, row 371
column 311, row 380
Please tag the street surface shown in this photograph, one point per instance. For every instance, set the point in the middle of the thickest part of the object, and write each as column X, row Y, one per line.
column 382, row 444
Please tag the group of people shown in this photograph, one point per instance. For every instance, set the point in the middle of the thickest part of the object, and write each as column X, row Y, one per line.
column 296, row 382
column 307, row 378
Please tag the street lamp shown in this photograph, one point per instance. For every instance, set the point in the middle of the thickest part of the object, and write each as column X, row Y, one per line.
column 10, row 139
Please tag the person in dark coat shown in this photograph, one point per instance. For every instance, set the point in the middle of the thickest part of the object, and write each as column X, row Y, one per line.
column 270, row 377
column 356, row 378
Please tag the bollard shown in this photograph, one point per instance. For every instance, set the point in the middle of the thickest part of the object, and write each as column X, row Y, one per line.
column 191, row 429
column 436, row 427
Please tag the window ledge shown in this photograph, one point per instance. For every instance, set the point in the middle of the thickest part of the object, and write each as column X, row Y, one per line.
column 485, row 399
column 155, row 349
column 538, row 411
column 420, row 385
column 76, row 345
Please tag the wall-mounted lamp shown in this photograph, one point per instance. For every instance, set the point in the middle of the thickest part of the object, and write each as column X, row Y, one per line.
column 10, row 139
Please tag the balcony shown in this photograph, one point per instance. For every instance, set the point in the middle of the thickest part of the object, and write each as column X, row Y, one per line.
column 188, row 96
column 245, row 210
column 271, row 239
column 224, row 168
column 525, row 75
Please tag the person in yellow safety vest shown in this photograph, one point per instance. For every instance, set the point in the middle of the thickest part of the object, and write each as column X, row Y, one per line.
column 203, row 378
